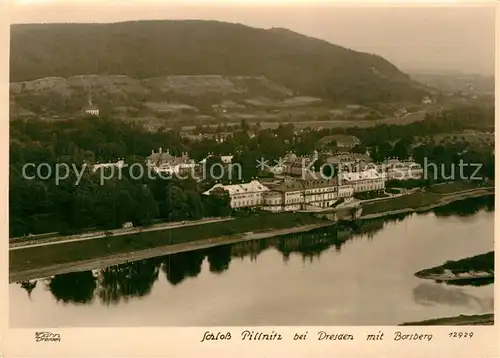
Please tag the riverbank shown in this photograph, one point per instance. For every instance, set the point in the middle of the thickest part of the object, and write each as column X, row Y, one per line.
column 476, row 320
column 35, row 262
column 419, row 202
column 38, row 261
column 17, row 244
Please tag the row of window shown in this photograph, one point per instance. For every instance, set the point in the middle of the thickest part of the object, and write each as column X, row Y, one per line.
column 367, row 181
column 245, row 196
column 245, row 203
column 369, row 187
column 329, row 201
column 323, row 190
column 322, row 196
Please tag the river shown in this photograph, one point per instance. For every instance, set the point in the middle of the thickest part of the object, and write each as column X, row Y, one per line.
column 341, row 275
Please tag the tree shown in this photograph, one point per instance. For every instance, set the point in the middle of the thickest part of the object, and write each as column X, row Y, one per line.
column 176, row 205
column 383, row 151
column 146, row 208
column 244, row 125
column 217, row 204
column 359, row 148
column 248, row 163
column 401, row 150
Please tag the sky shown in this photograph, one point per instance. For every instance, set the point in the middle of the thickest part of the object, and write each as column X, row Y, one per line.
column 413, row 37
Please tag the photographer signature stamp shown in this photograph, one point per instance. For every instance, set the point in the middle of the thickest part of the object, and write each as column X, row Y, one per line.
column 47, row 337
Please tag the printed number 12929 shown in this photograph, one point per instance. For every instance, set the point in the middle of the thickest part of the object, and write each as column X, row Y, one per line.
column 461, row 334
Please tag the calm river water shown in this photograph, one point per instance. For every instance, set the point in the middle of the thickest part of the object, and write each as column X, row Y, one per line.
column 336, row 276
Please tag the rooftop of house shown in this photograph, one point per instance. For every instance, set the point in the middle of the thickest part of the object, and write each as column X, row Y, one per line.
column 338, row 158
column 362, row 175
column 226, row 159
column 252, row 187
column 118, row 164
column 201, row 136
column 162, row 157
column 299, row 185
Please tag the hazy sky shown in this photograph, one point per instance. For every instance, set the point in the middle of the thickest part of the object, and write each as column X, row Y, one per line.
column 441, row 38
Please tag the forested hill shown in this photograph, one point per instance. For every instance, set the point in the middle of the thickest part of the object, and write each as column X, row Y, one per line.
column 146, row 49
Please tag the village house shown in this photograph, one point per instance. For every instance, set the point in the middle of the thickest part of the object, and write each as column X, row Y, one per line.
column 246, row 195
column 219, row 137
column 164, row 162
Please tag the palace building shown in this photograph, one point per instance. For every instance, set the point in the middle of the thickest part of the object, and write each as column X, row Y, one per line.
column 362, row 181
column 246, row 195
column 164, row 162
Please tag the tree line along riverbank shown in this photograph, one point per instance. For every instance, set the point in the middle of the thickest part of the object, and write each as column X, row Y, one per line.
column 29, row 259
column 427, row 199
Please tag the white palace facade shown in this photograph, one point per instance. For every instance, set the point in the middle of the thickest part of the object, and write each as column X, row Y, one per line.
column 247, row 195
column 291, row 195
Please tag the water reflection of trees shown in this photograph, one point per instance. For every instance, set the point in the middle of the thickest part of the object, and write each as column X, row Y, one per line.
column 74, row 287
column 179, row 266
column 29, row 286
column 472, row 282
column 219, row 258
column 136, row 279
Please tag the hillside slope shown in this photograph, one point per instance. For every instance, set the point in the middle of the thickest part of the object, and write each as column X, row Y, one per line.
column 148, row 49
column 168, row 95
